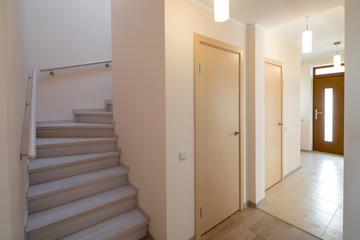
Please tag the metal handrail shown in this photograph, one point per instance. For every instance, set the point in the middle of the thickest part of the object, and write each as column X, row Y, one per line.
column 51, row 69
column 32, row 124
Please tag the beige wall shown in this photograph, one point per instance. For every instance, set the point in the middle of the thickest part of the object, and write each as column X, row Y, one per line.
column 182, row 19
column 280, row 49
column 13, row 78
column 306, row 99
column 139, row 101
column 65, row 32
column 352, row 118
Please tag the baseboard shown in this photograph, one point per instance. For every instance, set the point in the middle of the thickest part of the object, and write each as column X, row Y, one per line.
column 304, row 150
column 292, row 172
column 255, row 205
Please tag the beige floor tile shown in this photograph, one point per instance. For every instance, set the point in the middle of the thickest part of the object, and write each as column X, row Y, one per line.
column 312, row 214
column 312, row 227
column 331, row 234
column 336, row 224
column 340, row 211
column 329, row 196
column 321, row 204
column 310, row 197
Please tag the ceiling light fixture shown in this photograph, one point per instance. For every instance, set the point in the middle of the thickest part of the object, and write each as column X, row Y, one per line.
column 221, row 10
column 337, row 57
column 307, row 38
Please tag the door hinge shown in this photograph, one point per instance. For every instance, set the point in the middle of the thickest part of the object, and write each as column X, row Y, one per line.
column 201, row 212
column 199, row 67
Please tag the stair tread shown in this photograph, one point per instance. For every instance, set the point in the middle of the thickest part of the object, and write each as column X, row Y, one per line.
column 73, row 125
column 94, row 113
column 46, row 163
column 43, row 189
column 41, row 142
column 56, row 214
column 111, row 228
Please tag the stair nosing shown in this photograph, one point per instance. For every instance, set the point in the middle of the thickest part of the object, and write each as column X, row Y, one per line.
column 133, row 194
column 94, row 113
column 78, row 126
column 80, row 142
column 70, row 163
column 72, row 186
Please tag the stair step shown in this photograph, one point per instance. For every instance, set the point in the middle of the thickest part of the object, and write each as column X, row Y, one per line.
column 70, row 130
column 114, row 228
column 48, row 169
column 75, row 216
column 93, row 117
column 50, row 194
column 56, row 147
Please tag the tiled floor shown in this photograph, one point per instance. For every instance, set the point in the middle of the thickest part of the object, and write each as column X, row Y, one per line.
column 256, row 225
column 312, row 197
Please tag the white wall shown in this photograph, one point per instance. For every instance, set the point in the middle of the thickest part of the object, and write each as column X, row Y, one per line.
column 139, row 101
column 306, row 104
column 182, row 19
column 65, row 32
column 282, row 50
column 352, row 119
column 255, row 113
column 13, row 78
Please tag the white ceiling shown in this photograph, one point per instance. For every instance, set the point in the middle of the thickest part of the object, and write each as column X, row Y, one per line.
column 288, row 17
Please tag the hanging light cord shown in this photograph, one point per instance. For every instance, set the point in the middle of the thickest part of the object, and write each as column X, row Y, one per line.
column 307, row 23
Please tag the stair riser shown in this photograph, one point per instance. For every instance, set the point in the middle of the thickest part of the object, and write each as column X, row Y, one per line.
column 74, row 132
column 94, row 119
column 72, row 170
column 75, row 149
column 62, row 197
column 77, row 223
column 135, row 235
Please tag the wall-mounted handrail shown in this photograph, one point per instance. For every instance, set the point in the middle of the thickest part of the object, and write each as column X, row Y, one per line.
column 32, row 122
column 52, row 69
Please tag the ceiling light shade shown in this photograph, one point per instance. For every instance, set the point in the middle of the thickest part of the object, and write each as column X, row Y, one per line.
column 307, row 42
column 221, row 10
column 337, row 61
column 337, row 57
column 307, row 39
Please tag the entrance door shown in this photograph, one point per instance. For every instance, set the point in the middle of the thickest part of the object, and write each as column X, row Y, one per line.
column 273, row 123
column 217, row 130
column 328, row 113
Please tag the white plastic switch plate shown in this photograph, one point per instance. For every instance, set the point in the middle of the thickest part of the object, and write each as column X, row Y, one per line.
column 182, row 156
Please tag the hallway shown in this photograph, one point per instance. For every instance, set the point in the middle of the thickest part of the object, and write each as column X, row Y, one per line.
column 312, row 197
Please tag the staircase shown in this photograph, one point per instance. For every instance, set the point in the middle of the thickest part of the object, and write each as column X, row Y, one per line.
column 78, row 188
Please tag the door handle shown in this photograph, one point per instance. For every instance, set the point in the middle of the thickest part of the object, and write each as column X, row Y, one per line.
column 317, row 113
column 236, row 133
column 280, row 124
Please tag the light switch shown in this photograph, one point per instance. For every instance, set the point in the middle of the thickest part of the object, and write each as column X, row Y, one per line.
column 182, row 156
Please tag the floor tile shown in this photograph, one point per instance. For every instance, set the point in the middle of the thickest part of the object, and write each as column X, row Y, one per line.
column 336, row 224
column 331, row 234
column 311, row 198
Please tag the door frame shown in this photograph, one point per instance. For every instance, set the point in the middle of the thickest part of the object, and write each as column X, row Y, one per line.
column 200, row 39
column 281, row 65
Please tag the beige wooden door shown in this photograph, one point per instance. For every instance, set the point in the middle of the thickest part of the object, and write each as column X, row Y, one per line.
column 217, row 97
column 273, row 124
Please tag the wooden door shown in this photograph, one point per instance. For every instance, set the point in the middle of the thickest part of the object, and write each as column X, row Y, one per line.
column 273, row 123
column 217, row 126
column 328, row 113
